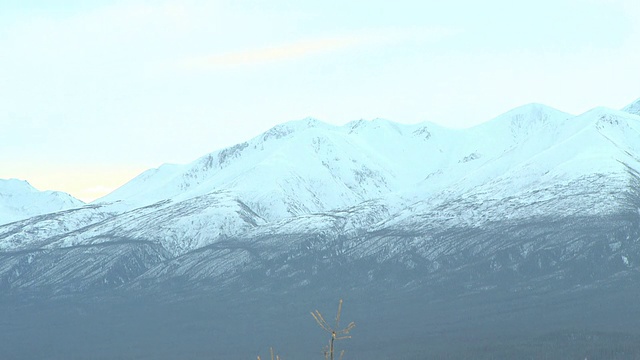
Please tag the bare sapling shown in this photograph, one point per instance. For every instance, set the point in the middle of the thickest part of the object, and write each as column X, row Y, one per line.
column 335, row 331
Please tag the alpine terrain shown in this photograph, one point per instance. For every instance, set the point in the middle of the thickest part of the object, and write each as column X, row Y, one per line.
column 517, row 238
column 19, row 200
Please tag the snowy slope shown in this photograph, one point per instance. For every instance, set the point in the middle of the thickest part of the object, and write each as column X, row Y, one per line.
column 481, row 153
column 633, row 108
column 578, row 167
column 178, row 227
column 38, row 231
column 19, row 200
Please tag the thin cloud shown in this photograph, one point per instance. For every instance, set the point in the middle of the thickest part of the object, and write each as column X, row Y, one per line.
column 378, row 37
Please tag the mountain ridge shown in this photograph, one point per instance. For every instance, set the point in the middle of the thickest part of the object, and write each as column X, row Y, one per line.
column 307, row 167
column 362, row 161
column 376, row 151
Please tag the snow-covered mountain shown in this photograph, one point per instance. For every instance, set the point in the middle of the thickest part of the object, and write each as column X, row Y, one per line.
column 535, row 208
column 510, row 167
column 297, row 168
column 19, row 200
column 308, row 166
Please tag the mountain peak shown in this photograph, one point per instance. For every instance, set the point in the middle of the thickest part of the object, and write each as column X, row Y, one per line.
column 19, row 200
column 633, row 108
column 308, row 122
column 10, row 185
column 377, row 123
column 303, row 124
column 525, row 120
column 285, row 129
column 532, row 111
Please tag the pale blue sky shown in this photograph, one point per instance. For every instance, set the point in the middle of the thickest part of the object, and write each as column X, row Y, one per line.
column 92, row 93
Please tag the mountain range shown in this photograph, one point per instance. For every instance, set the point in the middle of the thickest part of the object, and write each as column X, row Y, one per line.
column 527, row 211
